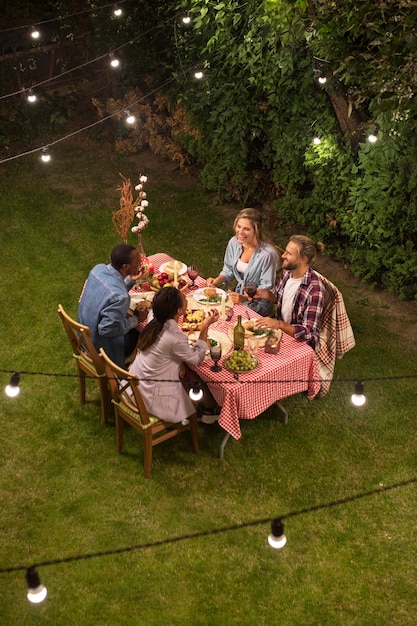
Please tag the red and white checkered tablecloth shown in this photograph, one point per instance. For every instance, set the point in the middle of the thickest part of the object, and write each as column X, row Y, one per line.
column 293, row 370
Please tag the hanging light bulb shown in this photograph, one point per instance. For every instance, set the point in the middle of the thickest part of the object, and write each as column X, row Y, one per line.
column 117, row 11
column 186, row 19
column 130, row 119
column 114, row 62
column 322, row 79
column 35, row 34
column 31, row 97
column 358, row 398
column 45, row 157
column 198, row 74
column 277, row 538
column 373, row 137
column 196, row 392
column 317, row 140
column 12, row 389
column 36, row 591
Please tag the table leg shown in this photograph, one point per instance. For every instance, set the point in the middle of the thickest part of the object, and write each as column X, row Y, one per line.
column 284, row 411
column 223, row 445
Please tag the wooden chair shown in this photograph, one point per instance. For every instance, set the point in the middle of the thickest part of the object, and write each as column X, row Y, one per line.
column 129, row 407
column 89, row 362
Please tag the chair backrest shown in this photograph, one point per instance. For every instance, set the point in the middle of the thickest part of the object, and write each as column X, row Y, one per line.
column 124, row 387
column 80, row 339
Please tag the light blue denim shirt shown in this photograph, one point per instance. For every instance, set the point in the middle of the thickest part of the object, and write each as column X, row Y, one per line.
column 103, row 307
column 261, row 269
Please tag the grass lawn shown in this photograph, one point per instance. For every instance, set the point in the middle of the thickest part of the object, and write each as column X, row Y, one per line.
column 65, row 492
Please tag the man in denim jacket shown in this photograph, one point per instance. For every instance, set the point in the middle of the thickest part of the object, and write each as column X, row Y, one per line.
column 105, row 302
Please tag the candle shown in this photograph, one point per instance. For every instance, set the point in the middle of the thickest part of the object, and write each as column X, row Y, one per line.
column 223, row 306
column 175, row 274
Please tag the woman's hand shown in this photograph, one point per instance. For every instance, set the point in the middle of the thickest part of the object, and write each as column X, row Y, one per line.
column 211, row 318
column 211, row 281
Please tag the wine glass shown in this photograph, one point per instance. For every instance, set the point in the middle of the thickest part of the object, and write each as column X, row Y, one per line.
column 216, row 353
column 192, row 272
column 253, row 343
column 250, row 289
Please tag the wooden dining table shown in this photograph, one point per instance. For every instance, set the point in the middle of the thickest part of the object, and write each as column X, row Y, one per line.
column 245, row 395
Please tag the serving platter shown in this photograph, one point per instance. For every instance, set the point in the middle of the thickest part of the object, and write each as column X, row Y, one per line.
column 230, row 367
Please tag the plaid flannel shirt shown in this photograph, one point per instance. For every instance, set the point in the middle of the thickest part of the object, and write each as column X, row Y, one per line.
column 307, row 308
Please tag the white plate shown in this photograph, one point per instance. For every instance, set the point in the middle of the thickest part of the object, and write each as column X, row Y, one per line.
column 182, row 269
column 202, row 299
column 142, row 296
column 221, row 338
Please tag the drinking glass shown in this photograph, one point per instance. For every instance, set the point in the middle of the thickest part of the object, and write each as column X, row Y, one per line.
column 253, row 343
column 216, row 353
column 193, row 273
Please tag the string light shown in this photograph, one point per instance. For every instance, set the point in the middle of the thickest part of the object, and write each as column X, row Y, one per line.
column 196, row 392
column 198, row 74
column 35, row 34
column 358, row 398
column 63, row 17
column 114, row 61
column 117, row 11
column 277, row 538
column 36, row 591
column 12, row 389
column 373, row 137
column 317, row 140
column 130, row 119
column 31, row 97
column 186, row 19
column 45, row 156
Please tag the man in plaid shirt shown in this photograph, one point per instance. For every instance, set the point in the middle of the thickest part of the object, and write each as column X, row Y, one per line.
column 299, row 295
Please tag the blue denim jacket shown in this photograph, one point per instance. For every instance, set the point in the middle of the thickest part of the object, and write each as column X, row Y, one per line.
column 103, row 307
column 262, row 270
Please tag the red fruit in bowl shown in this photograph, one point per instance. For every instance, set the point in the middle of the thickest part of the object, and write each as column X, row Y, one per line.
column 163, row 275
column 181, row 283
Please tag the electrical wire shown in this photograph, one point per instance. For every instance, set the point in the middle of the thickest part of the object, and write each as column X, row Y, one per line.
column 214, row 531
column 60, row 18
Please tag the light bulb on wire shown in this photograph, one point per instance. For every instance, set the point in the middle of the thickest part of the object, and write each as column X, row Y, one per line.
column 198, row 74
column 317, row 140
column 35, row 34
column 114, row 61
column 196, row 392
column 45, row 156
column 31, row 97
column 36, row 591
column 12, row 389
column 117, row 11
column 358, row 398
column 373, row 137
column 186, row 19
column 130, row 119
column 277, row 538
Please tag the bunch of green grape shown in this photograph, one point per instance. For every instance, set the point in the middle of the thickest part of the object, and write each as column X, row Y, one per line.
column 241, row 361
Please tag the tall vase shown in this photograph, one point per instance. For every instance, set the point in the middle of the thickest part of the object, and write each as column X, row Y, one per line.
column 140, row 247
column 147, row 272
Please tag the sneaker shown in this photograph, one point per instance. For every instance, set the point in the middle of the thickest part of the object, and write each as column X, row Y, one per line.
column 209, row 419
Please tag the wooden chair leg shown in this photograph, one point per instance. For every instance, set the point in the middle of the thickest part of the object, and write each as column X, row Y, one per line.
column 194, row 433
column 120, row 424
column 81, row 381
column 148, row 453
column 105, row 400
